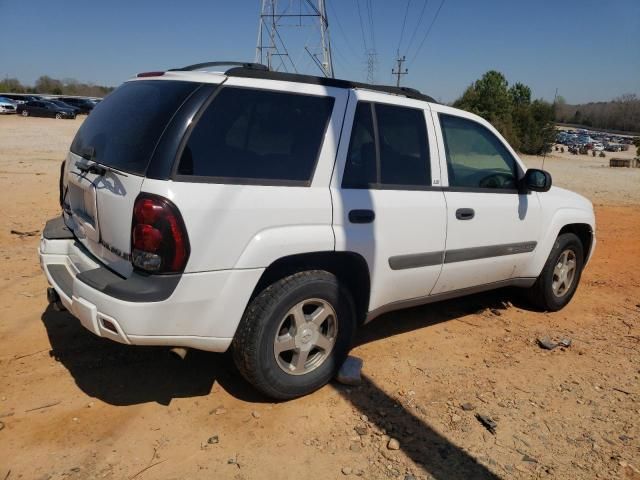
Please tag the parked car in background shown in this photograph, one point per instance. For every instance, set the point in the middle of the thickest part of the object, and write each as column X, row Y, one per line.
column 7, row 105
column 598, row 147
column 82, row 104
column 20, row 97
column 42, row 108
column 62, row 104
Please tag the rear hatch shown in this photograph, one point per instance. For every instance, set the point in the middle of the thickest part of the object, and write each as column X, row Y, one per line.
column 106, row 165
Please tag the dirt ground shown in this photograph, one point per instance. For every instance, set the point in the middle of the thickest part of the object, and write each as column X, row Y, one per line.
column 73, row 406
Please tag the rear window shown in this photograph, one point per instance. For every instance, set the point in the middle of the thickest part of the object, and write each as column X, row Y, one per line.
column 124, row 129
column 257, row 137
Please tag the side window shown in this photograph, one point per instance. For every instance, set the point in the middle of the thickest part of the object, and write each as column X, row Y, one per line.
column 360, row 169
column 257, row 136
column 402, row 135
column 388, row 149
column 476, row 158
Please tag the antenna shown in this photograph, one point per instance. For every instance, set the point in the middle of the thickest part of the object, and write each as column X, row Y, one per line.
column 273, row 37
column 399, row 72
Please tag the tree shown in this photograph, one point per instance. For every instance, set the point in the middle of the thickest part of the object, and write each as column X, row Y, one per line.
column 488, row 97
column 527, row 125
column 11, row 85
column 46, row 84
column 520, row 94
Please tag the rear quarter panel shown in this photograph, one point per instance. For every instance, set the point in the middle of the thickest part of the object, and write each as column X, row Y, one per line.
column 251, row 226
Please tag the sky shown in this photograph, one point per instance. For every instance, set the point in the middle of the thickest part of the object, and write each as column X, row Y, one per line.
column 588, row 49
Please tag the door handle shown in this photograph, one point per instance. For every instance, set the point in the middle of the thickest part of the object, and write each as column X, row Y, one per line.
column 465, row 213
column 362, row 216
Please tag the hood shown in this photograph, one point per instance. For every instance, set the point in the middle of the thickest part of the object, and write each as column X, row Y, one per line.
column 568, row 199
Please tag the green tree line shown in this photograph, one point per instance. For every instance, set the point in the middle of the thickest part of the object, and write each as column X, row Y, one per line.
column 53, row 86
column 527, row 125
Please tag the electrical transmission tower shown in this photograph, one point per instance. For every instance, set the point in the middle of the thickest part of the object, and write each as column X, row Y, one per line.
column 280, row 27
column 372, row 66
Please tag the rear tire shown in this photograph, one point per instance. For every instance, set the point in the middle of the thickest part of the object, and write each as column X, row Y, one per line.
column 560, row 276
column 294, row 336
column 58, row 116
column 25, row 113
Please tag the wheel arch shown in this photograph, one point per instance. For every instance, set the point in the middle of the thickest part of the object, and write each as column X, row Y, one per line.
column 350, row 267
column 584, row 232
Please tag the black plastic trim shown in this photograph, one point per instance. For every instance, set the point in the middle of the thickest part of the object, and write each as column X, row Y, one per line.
column 164, row 156
column 136, row 288
column 465, row 213
column 416, row 260
column 326, row 82
column 198, row 66
column 362, row 216
column 520, row 282
column 428, row 259
column 62, row 278
column 476, row 253
column 55, row 229
column 482, row 190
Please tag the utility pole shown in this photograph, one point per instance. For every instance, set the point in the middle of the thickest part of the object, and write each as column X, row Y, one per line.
column 272, row 35
column 399, row 72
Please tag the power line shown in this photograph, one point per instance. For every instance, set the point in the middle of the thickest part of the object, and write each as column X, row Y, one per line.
column 404, row 23
column 344, row 35
column 428, row 31
column 417, row 27
column 364, row 41
column 371, row 24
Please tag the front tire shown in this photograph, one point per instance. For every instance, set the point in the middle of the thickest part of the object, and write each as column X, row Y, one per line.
column 295, row 334
column 58, row 116
column 560, row 276
column 25, row 113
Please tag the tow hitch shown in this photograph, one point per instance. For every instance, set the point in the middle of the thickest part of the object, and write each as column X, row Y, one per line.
column 54, row 300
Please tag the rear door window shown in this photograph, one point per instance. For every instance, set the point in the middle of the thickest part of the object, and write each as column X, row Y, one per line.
column 257, row 137
column 125, row 127
column 388, row 149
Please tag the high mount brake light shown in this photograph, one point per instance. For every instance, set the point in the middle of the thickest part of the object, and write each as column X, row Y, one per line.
column 150, row 74
column 159, row 241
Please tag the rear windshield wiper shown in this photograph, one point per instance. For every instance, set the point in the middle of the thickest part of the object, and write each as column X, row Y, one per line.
column 88, row 153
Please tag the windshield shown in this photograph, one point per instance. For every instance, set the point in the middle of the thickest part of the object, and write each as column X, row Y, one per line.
column 123, row 129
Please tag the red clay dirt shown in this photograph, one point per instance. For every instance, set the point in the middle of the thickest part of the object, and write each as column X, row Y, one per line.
column 74, row 406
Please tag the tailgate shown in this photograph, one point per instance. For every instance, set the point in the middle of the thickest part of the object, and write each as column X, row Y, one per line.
column 108, row 160
column 99, row 209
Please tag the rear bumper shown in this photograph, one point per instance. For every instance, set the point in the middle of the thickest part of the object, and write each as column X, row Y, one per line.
column 197, row 310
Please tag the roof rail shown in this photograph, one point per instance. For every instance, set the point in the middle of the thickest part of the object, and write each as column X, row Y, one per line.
column 198, row 66
column 264, row 73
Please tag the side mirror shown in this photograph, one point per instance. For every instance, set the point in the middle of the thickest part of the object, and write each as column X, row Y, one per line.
column 536, row 180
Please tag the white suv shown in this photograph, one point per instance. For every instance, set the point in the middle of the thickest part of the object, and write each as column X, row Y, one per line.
column 275, row 213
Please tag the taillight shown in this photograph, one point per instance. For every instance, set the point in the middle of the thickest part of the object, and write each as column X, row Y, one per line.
column 159, row 241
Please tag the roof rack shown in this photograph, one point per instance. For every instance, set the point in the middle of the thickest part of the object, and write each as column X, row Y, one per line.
column 325, row 81
column 199, row 66
column 258, row 70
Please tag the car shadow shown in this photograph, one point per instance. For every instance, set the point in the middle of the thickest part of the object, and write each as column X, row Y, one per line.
column 128, row 375
column 410, row 319
column 432, row 452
